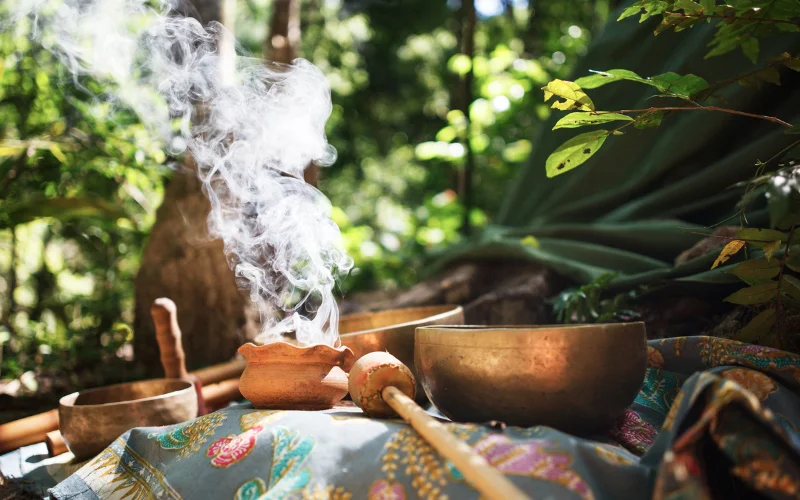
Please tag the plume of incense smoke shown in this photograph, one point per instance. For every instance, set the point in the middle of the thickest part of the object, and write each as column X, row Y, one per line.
column 251, row 141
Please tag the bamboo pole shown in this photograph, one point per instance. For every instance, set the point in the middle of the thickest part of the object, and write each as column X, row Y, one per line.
column 485, row 478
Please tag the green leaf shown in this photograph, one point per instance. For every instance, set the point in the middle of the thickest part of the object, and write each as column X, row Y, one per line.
column 729, row 250
column 573, row 95
column 793, row 263
column 58, row 153
column 630, row 11
column 649, row 120
column 36, row 207
column 750, row 48
column 790, row 286
column 758, row 326
column 760, row 237
column 530, row 241
column 771, row 247
column 756, row 294
column 581, row 119
column 681, row 85
column 574, row 152
column 756, row 269
column 10, row 151
column 689, row 6
column 601, row 78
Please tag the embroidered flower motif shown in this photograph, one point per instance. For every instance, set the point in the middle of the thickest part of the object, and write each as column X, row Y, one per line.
column 288, row 474
column 531, row 459
column 633, row 432
column 189, row 437
column 658, row 390
column 259, row 417
column 230, row 449
column 384, row 490
column 654, row 358
column 756, row 382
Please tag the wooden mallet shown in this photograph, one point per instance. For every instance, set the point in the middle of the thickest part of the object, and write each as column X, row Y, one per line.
column 170, row 346
column 382, row 387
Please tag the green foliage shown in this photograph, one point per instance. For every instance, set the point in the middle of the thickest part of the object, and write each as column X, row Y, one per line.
column 586, row 304
column 79, row 183
column 738, row 25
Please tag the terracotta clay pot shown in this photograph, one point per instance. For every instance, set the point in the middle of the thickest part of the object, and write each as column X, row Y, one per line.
column 283, row 376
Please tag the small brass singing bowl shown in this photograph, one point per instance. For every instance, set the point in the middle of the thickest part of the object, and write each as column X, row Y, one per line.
column 575, row 378
column 91, row 420
column 393, row 331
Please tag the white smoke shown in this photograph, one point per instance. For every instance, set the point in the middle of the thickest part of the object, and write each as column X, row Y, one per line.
column 253, row 136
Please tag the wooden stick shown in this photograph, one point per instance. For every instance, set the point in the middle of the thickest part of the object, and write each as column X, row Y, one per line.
column 27, row 430
column 223, row 371
column 485, row 478
column 168, row 335
column 55, row 443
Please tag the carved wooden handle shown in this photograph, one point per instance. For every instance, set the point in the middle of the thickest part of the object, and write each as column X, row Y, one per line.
column 168, row 335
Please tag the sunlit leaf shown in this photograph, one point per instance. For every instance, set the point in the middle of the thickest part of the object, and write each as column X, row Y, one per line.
column 35, row 207
column 757, row 269
column 581, row 119
column 58, row 153
column 771, row 247
column 573, row 95
column 756, row 294
column 530, row 241
column 574, row 152
column 601, row 78
column 683, row 85
column 727, row 252
column 460, row 64
column 760, row 236
column 758, row 326
column 630, row 11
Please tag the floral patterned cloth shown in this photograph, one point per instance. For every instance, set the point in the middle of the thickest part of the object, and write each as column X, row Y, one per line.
column 714, row 419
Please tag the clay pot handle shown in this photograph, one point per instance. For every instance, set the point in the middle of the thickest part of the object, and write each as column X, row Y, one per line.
column 168, row 335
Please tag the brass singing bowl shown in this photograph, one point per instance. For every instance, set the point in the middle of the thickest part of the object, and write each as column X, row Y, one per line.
column 578, row 379
column 393, row 331
column 91, row 420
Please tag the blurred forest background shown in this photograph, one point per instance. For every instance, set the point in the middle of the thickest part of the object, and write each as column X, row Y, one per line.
column 436, row 107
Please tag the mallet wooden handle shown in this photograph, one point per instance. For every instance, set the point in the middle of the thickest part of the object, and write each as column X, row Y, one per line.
column 168, row 335
column 485, row 478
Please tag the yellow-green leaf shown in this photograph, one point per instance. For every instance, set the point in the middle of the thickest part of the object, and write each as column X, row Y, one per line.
column 581, row 119
column 770, row 248
column 756, row 294
column 760, row 236
column 758, row 326
column 530, row 241
column 574, row 152
column 10, row 151
column 790, row 286
column 58, row 153
column 727, row 252
column 757, row 269
column 573, row 95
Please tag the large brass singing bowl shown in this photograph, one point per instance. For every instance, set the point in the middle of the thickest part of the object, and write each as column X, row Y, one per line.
column 393, row 331
column 91, row 420
column 578, row 379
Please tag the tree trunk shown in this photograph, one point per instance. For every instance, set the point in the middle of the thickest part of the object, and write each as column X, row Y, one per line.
column 283, row 45
column 182, row 263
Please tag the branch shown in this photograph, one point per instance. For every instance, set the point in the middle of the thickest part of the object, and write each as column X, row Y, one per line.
column 734, row 18
column 707, row 108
